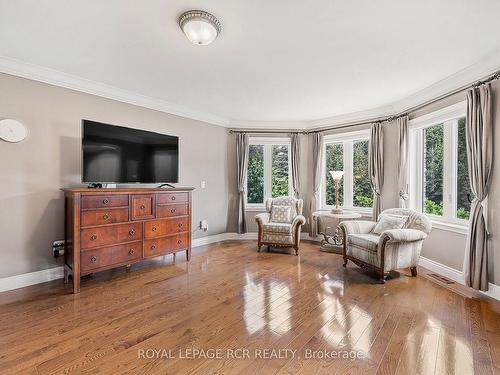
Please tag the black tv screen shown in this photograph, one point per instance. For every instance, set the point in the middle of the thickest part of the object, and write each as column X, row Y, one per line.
column 115, row 154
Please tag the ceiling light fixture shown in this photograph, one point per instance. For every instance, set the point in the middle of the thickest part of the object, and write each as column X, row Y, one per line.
column 200, row 27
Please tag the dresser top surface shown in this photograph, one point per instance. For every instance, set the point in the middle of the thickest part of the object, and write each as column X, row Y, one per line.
column 92, row 191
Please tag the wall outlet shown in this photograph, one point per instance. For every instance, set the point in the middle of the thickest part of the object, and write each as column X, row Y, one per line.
column 204, row 225
column 58, row 248
column 203, row 184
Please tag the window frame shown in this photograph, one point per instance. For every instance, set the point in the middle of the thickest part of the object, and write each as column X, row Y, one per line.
column 268, row 143
column 347, row 140
column 449, row 117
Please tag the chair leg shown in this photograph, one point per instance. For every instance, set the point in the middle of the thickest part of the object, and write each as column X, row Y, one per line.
column 296, row 251
column 258, row 248
column 413, row 271
column 268, row 248
column 383, row 277
column 345, row 262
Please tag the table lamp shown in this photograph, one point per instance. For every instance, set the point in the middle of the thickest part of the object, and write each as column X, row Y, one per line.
column 337, row 176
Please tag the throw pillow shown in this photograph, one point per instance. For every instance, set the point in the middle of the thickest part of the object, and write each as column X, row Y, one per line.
column 387, row 222
column 281, row 214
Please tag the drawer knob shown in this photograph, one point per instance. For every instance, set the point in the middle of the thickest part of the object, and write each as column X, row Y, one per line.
column 153, row 229
column 131, row 251
column 93, row 237
column 179, row 242
column 93, row 259
column 131, row 232
column 105, row 216
column 173, row 197
column 105, row 201
column 153, row 247
column 142, row 207
column 179, row 225
column 172, row 210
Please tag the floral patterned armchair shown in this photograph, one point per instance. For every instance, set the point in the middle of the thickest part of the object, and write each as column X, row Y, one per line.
column 390, row 250
column 285, row 232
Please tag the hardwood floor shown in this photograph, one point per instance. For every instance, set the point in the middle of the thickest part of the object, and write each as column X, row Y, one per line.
column 231, row 297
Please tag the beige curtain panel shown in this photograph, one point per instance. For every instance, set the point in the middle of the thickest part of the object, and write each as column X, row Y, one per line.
column 403, row 137
column 479, row 135
column 317, row 149
column 376, row 166
column 295, row 159
column 242, row 164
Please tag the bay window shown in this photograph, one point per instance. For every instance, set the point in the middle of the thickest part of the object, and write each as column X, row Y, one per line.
column 349, row 153
column 439, row 177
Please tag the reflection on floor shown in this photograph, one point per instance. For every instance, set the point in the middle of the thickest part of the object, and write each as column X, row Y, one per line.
column 233, row 310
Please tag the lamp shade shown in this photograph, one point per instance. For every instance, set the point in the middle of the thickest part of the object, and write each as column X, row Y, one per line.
column 337, row 175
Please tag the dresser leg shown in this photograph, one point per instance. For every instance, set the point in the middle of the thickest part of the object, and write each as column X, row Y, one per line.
column 66, row 275
column 127, row 267
column 188, row 255
column 76, row 283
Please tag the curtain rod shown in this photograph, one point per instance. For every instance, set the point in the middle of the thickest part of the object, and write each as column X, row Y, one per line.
column 406, row 112
column 234, row 131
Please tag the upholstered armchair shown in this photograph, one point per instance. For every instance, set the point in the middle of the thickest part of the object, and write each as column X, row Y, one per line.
column 280, row 225
column 392, row 249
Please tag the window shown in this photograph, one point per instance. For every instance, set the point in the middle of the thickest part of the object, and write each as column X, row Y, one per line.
column 348, row 153
column 268, row 172
column 439, row 176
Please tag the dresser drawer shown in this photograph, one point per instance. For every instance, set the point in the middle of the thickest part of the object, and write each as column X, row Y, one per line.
column 172, row 210
column 142, row 206
column 110, row 234
column 104, row 216
column 100, row 201
column 158, row 246
column 159, row 228
column 108, row 256
column 172, row 198
column 179, row 241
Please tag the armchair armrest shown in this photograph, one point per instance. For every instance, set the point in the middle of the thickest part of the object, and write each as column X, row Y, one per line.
column 357, row 226
column 263, row 218
column 403, row 235
column 298, row 220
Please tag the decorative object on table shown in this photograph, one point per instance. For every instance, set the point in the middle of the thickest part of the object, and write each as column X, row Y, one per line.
column 280, row 225
column 337, row 176
column 392, row 249
column 333, row 242
column 12, row 130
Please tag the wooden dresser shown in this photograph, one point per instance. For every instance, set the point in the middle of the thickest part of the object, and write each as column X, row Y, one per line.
column 107, row 228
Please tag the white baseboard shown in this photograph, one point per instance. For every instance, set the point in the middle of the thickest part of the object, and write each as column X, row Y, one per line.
column 455, row 275
column 31, row 278
column 27, row 279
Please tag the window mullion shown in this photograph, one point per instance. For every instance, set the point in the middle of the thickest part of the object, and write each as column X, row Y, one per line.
column 268, row 159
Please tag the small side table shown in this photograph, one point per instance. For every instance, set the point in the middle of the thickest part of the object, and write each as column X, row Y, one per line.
column 333, row 243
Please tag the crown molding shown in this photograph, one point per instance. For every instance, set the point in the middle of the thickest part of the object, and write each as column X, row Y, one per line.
column 68, row 81
column 462, row 78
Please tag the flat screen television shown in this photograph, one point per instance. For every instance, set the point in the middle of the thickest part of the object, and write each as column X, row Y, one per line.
column 115, row 154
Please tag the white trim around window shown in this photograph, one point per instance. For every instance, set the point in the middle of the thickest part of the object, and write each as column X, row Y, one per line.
column 449, row 117
column 347, row 140
column 268, row 143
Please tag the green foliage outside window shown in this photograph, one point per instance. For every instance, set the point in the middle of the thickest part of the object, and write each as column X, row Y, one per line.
column 463, row 182
column 334, row 162
column 362, row 191
column 279, row 168
column 433, row 169
column 255, row 174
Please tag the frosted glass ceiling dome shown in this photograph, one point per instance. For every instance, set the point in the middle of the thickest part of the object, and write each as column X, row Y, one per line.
column 200, row 27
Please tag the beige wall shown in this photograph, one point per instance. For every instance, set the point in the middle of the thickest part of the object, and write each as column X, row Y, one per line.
column 33, row 171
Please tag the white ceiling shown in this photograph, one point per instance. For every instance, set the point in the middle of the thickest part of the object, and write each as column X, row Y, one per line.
column 275, row 62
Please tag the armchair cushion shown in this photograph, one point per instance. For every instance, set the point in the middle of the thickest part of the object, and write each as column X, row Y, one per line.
column 365, row 241
column 281, row 214
column 277, row 228
column 386, row 222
